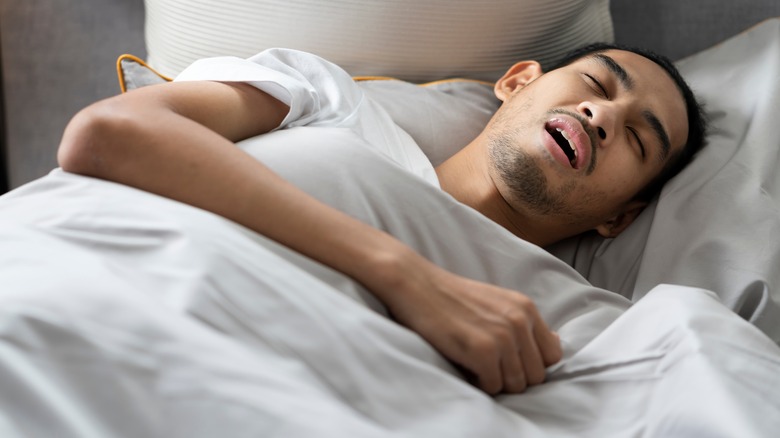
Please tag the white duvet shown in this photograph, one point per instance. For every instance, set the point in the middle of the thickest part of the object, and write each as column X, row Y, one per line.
column 126, row 314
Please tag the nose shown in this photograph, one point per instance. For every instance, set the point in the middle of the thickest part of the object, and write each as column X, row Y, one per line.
column 601, row 117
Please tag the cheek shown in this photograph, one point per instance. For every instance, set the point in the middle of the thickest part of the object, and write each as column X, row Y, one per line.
column 612, row 187
column 622, row 186
column 516, row 111
column 623, row 172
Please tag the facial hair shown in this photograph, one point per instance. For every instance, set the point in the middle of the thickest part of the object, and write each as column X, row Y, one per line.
column 522, row 173
column 524, row 177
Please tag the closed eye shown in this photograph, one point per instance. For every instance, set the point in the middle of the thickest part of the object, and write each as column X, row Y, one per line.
column 639, row 142
column 598, row 86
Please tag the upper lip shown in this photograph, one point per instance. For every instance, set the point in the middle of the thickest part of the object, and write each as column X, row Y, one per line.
column 577, row 131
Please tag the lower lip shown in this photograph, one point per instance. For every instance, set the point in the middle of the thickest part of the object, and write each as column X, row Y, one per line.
column 555, row 150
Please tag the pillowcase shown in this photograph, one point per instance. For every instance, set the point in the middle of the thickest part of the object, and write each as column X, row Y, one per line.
column 134, row 73
column 413, row 40
column 715, row 225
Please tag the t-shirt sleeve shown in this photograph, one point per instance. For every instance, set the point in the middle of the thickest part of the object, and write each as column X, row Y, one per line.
column 318, row 92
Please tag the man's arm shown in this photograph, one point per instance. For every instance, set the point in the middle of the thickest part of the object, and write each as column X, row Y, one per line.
column 177, row 140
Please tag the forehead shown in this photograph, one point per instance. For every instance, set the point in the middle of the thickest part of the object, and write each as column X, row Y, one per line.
column 653, row 90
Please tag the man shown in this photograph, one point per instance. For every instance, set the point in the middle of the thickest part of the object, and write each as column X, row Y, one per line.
column 568, row 151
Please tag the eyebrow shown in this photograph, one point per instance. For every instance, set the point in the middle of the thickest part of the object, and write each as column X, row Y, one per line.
column 627, row 82
column 625, row 79
column 660, row 132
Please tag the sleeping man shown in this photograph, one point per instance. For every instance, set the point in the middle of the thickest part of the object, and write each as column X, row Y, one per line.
column 582, row 147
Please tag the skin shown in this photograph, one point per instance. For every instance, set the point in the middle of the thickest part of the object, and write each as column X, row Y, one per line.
column 177, row 140
column 597, row 196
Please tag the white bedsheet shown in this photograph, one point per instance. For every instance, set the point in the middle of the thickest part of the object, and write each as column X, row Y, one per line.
column 126, row 314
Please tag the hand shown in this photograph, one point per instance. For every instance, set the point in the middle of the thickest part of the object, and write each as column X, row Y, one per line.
column 496, row 335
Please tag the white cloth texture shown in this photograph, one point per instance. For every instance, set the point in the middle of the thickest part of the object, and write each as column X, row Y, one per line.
column 319, row 93
column 414, row 40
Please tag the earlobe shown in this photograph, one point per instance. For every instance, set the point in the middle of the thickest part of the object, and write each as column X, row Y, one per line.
column 517, row 77
column 614, row 226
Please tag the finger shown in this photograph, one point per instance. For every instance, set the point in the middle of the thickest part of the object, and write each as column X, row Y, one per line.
column 525, row 319
column 513, row 372
column 548, row 342
column 530, row 354
column 489, row 379
column 484, row 362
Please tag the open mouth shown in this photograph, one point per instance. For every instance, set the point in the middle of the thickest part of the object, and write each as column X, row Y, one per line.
column 566, row 144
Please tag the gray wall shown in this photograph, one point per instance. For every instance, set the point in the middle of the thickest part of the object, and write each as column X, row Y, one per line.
column 678, row 28
column 3, row 165
column 58, row 56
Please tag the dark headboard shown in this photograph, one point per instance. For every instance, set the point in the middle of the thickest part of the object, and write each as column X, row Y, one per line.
column 679, row 28
column 4, row 183
column 58, row 57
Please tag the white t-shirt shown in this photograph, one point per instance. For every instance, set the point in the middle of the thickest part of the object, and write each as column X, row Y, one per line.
column 319, row 94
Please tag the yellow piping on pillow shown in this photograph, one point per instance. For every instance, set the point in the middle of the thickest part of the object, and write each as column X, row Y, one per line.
column 444, row 81
column 374, row 78
column 121, row 74
column 426, row 84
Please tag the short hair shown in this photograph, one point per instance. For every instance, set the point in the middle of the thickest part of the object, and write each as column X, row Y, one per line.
column 697, row 120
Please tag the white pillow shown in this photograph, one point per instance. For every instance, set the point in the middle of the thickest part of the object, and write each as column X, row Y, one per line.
column 414, row 40
column 716, row 225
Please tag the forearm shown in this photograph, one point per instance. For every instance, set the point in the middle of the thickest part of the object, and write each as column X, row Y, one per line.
column 163, row 152
column 183, row 148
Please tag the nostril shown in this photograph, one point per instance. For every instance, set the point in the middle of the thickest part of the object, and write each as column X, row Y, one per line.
column 588, row 113
column 602, row 133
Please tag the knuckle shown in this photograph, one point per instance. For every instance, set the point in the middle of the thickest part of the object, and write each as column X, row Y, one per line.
column 526, row 303
column 535, row 376
column 515, row 385
column 491, row 387
column 502, row 335
column 555, row 356
column 483, row 345
column 516, row 317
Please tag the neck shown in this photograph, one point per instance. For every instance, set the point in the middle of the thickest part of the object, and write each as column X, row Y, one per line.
column 467, row 177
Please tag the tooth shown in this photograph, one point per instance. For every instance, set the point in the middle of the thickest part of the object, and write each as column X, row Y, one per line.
column 566, row 136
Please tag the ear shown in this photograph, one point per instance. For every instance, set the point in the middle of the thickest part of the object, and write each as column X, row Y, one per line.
column 620, row 222
column 517, row 77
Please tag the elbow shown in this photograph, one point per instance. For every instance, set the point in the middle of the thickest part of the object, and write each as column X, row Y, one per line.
column 89, row 139
column 73, row 149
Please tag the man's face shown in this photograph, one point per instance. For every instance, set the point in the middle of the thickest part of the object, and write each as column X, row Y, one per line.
column 575, row 145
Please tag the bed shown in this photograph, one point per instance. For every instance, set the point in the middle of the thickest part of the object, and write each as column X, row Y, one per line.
column 126, row 314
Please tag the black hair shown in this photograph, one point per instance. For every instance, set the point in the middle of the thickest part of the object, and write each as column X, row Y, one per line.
column 697, row 120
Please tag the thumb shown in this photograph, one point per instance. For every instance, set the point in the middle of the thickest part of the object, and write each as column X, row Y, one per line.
column 549, row 343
